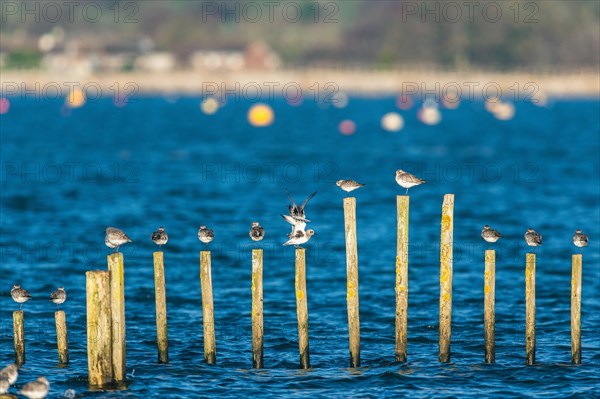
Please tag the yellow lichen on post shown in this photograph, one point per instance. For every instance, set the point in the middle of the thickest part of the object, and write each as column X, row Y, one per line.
column 302, row 308
column 208, row 311
column 61, row 336
column 489, row 295
column 402, row 205
column 19, row 337
column 576, row 309
column 160, row 299
column 116, row 270
column 530, row 309
column 446, row 242
column 352, row 280
column 99, row 330
column 257, row 309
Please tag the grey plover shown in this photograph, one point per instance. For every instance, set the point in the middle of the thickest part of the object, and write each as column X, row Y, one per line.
column 160, row 237
column 115, row 238
column 579, row 239
column 532, row 238
column 37, row 389
column 297, row 212
column 59, row 296
column 19, row 295
column 489, row 234
column 205, row 235
column 300, row 237
column 10, row 373
column 297, row 224
column 257, row 232
column 406, row 180
column 348, row 185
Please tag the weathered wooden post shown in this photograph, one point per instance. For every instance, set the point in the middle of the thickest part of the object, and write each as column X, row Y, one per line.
column 352, row 280
column 60, row 320
column 19, row 337
column 402, row 206
column 530, row 309
column 117, row 303
column 160, row 299
column 576, row 309
column 257, row 309
column 489, row 295
column 99, row 327
column 446, row 242
column 208, row 311
column 302, row 308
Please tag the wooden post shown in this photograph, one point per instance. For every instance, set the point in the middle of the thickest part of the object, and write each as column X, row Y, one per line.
column 352, row 280
column 530, row 309
column 446, row 241
column 302, row 308
column 160, row 298
column 257, row 309
column 117, row 304
column 402, row 206
column 576, row 310
column 19, row 337
column 489, row 295
column 99, row 330
column 208, row 311
column 61, row 337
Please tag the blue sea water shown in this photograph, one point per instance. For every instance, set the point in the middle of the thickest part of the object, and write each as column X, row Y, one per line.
column 157, row 161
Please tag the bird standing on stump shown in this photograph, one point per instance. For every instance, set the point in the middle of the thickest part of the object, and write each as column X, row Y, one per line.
column 19, row 295
column 257, row 232
column 59, row 296
column 115, row 238
column 205, row 235
column 348, row 185
column 160, row 237
column 406, row 180
column 533, row 238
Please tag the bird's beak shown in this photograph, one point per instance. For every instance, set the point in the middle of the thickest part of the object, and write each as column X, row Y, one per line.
column 314, row 234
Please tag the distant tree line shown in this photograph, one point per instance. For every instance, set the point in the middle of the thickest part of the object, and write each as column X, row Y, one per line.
column 502, row 34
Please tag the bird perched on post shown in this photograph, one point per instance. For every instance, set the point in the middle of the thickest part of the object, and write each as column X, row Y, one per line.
column 59, row 296
column 160, row 237
column 348, row 185
column 580, row 240
column 406, row 180
column 19, row 295
column 205, row 235
column 489, row 234
column 37, row 389
column 533, row 238
column 300, row 237
column 257, row 232
column 115, row 238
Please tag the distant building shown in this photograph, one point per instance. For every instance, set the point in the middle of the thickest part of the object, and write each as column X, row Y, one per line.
column 260, row 56
column 256, row 56
column 229, row 60
column 155, row 62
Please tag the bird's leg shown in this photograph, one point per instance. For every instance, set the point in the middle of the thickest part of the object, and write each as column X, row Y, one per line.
column 407, row 191
column 21, row 306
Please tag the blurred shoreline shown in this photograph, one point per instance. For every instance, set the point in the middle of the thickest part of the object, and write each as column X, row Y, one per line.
column 263, row 85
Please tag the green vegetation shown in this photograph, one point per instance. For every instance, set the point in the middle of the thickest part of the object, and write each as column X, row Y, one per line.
column 543, row 34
